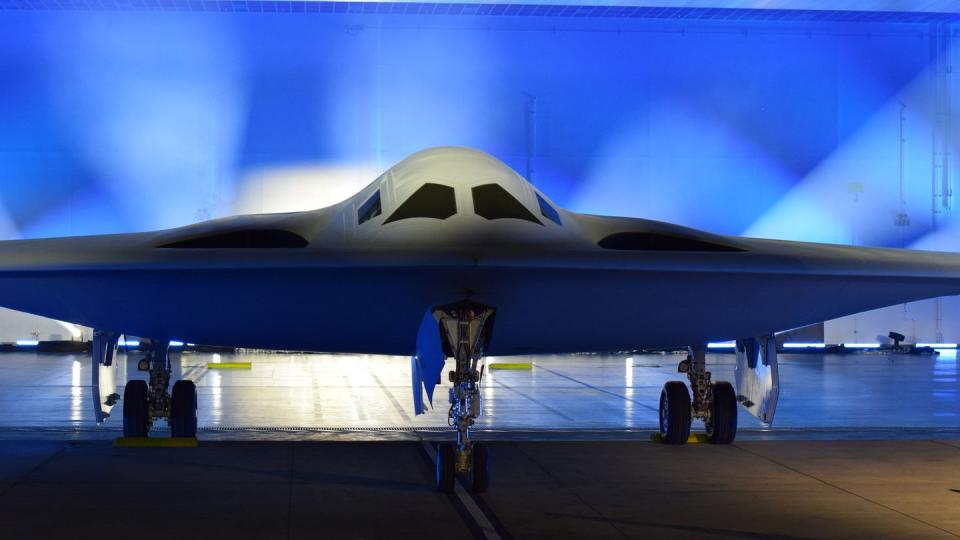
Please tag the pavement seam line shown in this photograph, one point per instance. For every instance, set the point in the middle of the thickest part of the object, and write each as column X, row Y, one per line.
column 572, row 492
column 386, row 392
column 535, row 401
column 597, row 388
column 948, row 445
column 845, row 490
column 32, row 470
column 486, row 527
column 942, row 443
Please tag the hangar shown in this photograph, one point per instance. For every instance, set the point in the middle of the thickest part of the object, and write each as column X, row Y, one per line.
column 586, row 236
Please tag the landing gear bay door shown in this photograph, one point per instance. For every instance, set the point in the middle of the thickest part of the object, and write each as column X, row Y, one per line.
column 758, row 377
column 426, row 366
column 104, row 370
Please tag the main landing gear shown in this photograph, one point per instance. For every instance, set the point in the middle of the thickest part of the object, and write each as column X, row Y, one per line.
column 713, row 402
column 465, row 329
column 143, row 403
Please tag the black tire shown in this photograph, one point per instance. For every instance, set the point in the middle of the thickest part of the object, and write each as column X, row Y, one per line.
column 481, row 468
column 136, row 410
column 722, row 428
column 183, row 410
column 446, row 467
column 674, row 413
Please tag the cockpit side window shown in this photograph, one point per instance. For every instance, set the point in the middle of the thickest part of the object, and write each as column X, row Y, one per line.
column 430, row 201
column 548, row 211
column 369, row 209
column 491, row 201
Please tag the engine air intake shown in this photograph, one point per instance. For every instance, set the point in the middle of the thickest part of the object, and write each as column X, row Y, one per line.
column 654, row 241
column 244, row 239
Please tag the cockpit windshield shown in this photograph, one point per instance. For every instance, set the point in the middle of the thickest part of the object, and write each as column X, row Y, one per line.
column 491, row 201
column 430, row 201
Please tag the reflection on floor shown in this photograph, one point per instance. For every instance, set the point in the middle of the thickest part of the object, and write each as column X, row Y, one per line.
column 559, row 392
column 545, row 484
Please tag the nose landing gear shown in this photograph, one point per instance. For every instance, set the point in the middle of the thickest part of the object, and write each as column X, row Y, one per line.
column 713, row 402
column 466, row 329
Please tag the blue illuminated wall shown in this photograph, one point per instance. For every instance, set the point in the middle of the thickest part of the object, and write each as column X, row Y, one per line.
column 124, row 121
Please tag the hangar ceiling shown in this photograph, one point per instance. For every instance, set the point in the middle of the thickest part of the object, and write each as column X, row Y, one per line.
column 929, row 11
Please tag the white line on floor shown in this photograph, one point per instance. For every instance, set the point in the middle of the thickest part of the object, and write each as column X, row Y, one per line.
column 485, row 526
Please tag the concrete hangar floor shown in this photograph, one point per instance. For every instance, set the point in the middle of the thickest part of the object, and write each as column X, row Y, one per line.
column 306, row 446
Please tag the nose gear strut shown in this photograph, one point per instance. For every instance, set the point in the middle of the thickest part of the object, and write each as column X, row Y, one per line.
column 465, row 328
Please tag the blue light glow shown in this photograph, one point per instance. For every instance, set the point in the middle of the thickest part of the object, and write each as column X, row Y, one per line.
column 93, row 134
column 756, row 127
column 27, row 343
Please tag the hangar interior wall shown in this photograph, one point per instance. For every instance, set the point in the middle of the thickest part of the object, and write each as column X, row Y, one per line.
column 16, row 326
column 832, row 132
